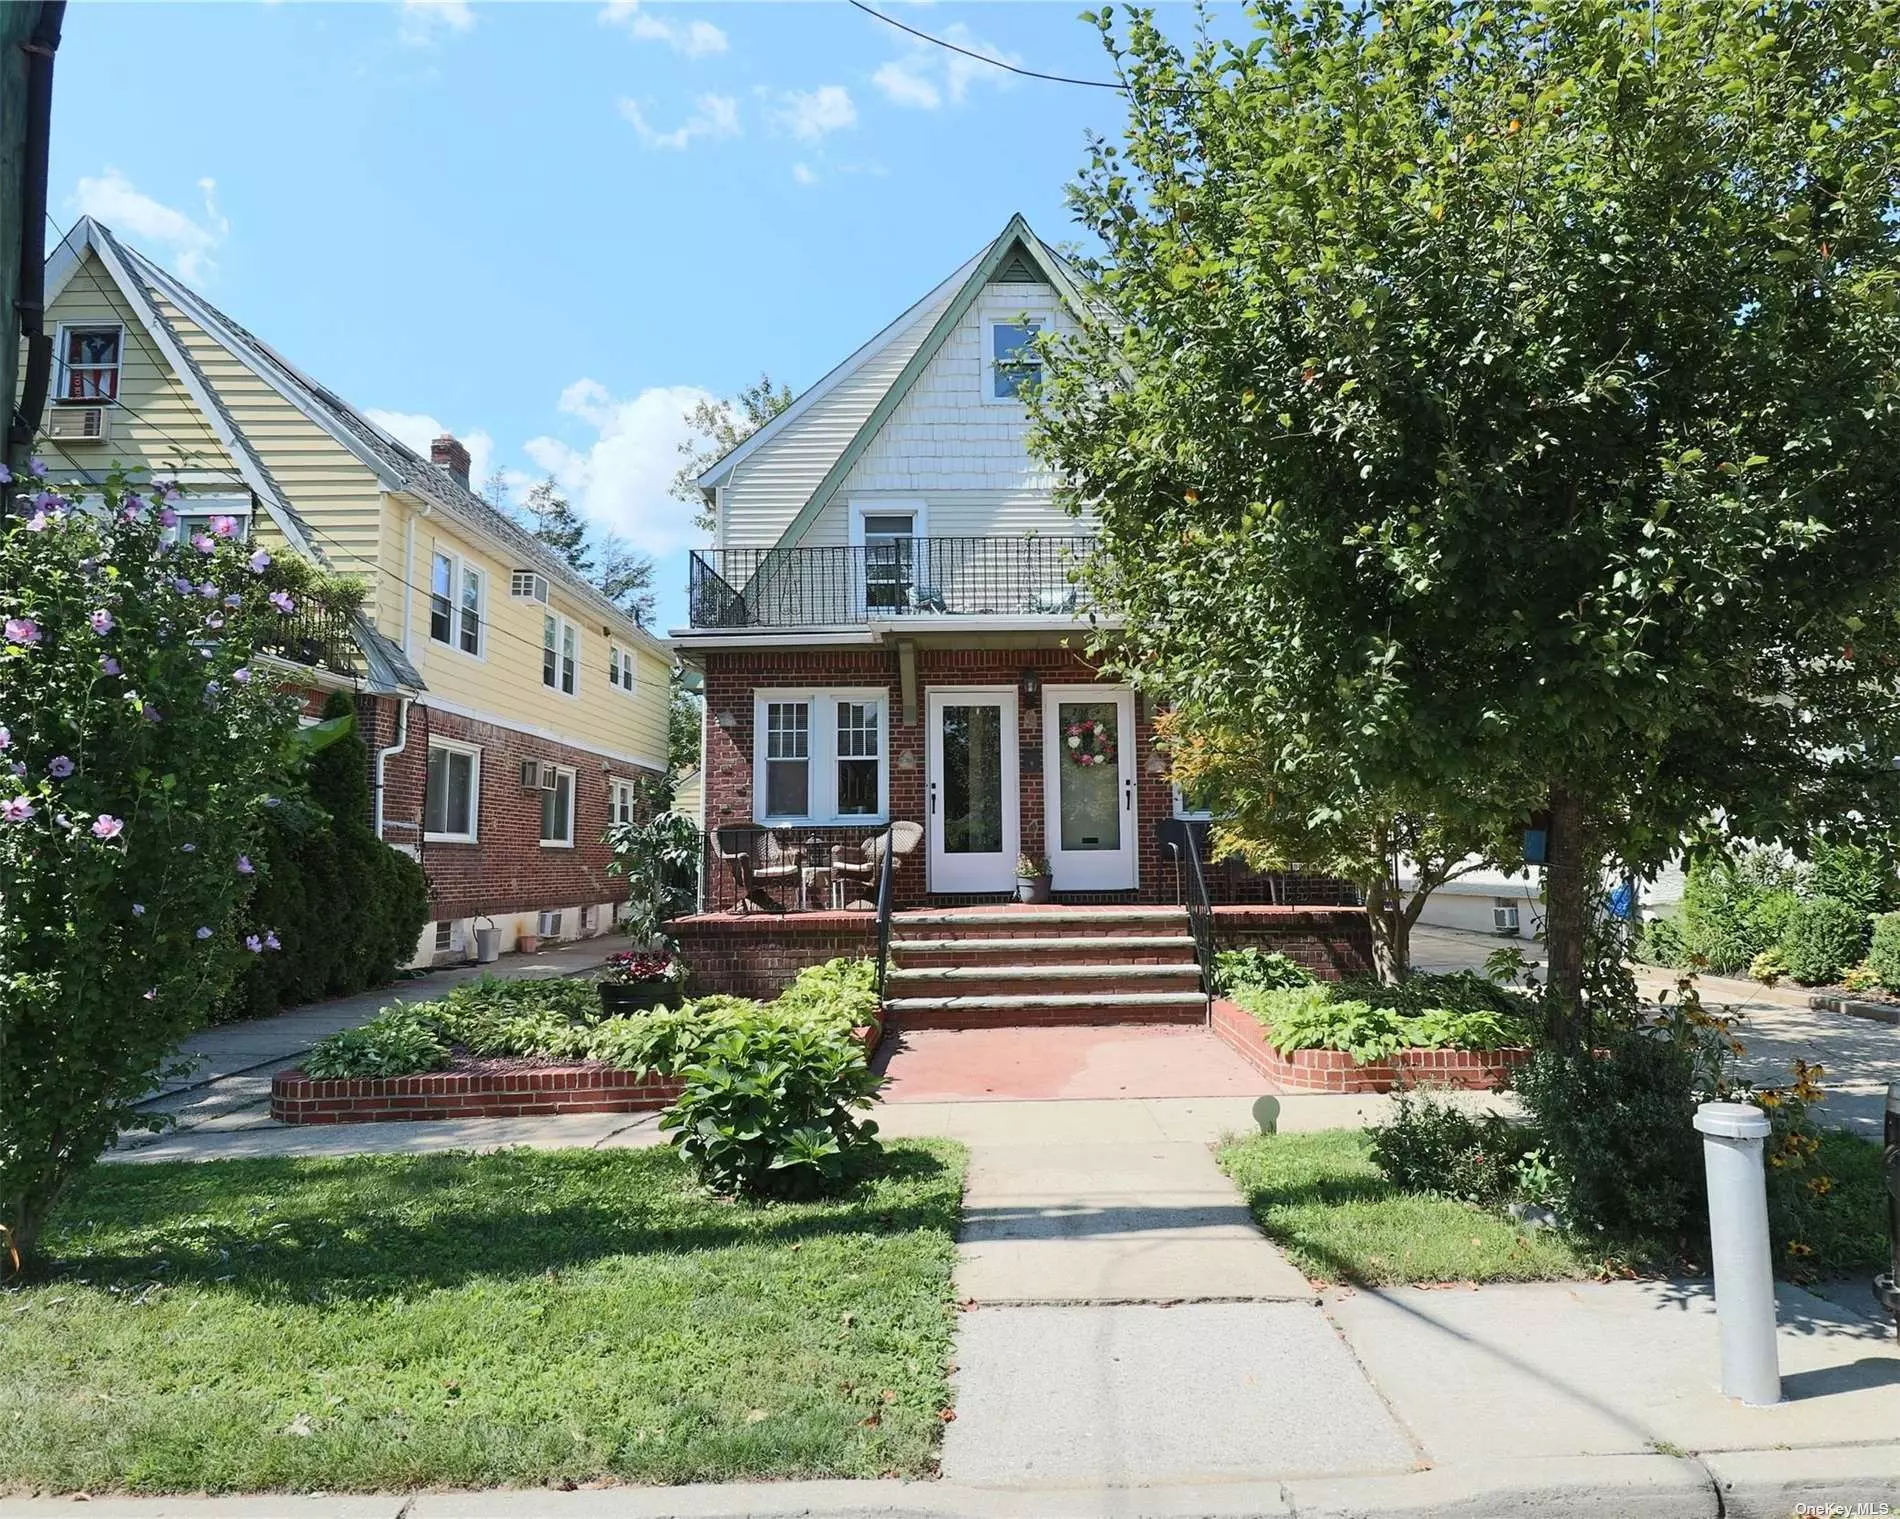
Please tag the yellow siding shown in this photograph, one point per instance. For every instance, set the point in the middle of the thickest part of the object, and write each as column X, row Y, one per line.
column 330, row 488
column 156, row 425
column 504, row 682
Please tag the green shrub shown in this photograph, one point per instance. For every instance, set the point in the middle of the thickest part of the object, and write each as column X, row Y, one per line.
column 1616, row 1127
column 1319, row 1016
column 668, row 1039
column 1861, row 875
column 1823, row 937
column 1430, row 1146
column 768, row 1108
column 396, row 1042
column 1883, row 955
column 1768, row 967
column 1267, row 969
column 1732, row 910
column 1659, row 942
column 841, row 991
column 1461, row 991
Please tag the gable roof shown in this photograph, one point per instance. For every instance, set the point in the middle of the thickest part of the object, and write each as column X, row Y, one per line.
column 397, row 466
column 1015, row 256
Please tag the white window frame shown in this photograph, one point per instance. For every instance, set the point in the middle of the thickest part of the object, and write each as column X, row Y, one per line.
column 822, row 793
column 888, row 506
column 628, row 680
column 474, row 753
column 459, row 571
column 61, row 367
column 573, row 805
column 620, row 794
column 1040, row 317
column 1186, row 813
column 189, row 507
column 562, row 627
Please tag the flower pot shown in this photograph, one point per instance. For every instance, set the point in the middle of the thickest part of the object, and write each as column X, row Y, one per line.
column 637, row 996
column 1032, row 888
column 528, row 944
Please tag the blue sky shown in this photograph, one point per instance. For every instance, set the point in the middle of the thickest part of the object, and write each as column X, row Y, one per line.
column 548, row 227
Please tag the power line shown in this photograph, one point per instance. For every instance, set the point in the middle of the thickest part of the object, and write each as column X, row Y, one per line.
column 998, row 63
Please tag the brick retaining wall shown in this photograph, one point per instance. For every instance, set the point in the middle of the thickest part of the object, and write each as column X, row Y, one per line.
column 295, row 1098
column 1336, row 1071
column 757, row 954
column 1334, row 943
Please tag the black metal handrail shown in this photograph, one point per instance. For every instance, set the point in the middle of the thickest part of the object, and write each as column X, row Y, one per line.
column 1031, row 575
column 886, row 877
column 316, row 636
column 1178, row 837
column 1887, row 1285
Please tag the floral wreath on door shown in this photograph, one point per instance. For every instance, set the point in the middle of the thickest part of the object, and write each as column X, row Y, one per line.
column 1090, row 742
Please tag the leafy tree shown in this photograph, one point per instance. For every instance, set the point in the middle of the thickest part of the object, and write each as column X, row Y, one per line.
column 683, row 715
column 615, row 568
column 142, row 752
column 1316, row 815
column 720, row 427
column 1503, row 399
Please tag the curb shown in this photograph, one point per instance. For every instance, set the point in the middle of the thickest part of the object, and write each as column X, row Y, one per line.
column 1853, row 1007
column 1753, row 1484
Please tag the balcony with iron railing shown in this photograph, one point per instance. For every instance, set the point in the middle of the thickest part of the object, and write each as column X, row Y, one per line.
column 317, row 635
column 844, row 585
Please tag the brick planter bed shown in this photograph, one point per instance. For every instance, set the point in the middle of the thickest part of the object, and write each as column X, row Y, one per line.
column 1336, row 1071
column 1333, row 943
column 756, row 954
column 490, row 1090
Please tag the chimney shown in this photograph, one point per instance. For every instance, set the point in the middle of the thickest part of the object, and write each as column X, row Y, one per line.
column 447, row 453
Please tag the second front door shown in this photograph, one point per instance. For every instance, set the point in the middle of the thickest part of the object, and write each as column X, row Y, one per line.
column 971, row 790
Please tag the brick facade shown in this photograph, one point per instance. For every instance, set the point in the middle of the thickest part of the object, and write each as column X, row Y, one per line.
column 295, row 1098
column 507, row 870
column 757, row 954
column 1334, row 943
column 1337, row 1072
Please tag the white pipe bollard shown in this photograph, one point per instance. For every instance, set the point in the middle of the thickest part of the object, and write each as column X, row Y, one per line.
column 1732, row 1145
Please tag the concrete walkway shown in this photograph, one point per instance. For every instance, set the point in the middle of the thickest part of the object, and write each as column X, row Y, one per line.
column 225, row 1080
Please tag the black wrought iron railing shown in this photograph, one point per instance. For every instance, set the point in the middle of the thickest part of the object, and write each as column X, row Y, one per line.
column 320, row 637
column 886, row 877
column 797, row 869
column 1887, row 1284
column 1179, row 839
column 1030, row 575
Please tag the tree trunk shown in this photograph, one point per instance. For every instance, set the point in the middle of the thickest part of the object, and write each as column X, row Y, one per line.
column 1391, row 930
column 1566, row 916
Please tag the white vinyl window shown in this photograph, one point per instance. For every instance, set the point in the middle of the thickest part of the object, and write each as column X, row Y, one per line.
column 457, row 603
column 206, row 514
column 821, row 756
column 1010, row 362
column 620, row 668
column 620, row 801
column 89, row 361
column 451, row 798
column 560, row 654
column 557, row 812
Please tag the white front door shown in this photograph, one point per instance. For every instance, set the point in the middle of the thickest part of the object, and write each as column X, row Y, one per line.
column 1088, row 747
column 970, row 800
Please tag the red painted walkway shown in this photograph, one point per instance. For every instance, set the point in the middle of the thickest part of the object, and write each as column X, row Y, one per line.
column 1037, row 1064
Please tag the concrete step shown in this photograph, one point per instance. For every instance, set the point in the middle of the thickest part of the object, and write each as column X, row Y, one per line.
column 996, row 1011
column 1078, row 947
column 1037, row 922
column 1062, row 980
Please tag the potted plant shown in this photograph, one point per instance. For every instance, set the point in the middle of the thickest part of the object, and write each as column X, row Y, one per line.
column 637, row 981
column 1032, row 878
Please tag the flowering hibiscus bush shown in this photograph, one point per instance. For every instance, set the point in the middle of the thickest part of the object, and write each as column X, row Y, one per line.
column 140, row 748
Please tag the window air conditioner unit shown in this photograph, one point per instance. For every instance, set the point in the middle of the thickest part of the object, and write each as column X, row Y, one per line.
column 529, row 586
column 77, row 424
column 537, row 775
column 550, row 925
column 1504, row 919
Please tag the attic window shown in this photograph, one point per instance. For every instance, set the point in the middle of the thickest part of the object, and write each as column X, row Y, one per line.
column 1014, row 366
column 89, row 362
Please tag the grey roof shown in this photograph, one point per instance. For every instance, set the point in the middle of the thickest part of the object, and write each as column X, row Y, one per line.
column 399, row 466
column 388, row 665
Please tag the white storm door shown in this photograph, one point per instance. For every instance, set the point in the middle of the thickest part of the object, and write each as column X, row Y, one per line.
column 1088, row 747
column 973, row 818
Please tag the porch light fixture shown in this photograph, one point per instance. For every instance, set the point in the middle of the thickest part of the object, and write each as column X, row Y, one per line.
column 1029, row 683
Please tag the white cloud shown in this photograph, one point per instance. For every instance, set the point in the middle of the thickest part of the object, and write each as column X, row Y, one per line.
column 187, row 242
column 426, row 22
column 714, row 117
column 811, row 114
column 926, row 78
column 419, row 430
column 804, row 174
column 694, row 39
column 619, row 481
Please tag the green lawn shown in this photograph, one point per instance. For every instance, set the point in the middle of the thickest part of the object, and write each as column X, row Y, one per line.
column 386, row 1322
column 1322, row 1200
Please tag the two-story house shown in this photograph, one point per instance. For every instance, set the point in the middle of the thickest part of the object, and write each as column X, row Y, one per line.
column 509, row 707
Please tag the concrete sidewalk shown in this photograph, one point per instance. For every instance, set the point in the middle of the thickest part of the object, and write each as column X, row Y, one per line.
column 226, row 1083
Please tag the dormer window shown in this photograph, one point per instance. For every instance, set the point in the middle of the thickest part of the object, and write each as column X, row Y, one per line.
column 1013, row 364
column 89, row 364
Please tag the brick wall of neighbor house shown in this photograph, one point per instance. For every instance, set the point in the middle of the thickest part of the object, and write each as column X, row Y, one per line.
column 508, row 869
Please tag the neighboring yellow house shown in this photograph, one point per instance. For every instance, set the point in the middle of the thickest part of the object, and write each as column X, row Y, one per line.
column 508, row 705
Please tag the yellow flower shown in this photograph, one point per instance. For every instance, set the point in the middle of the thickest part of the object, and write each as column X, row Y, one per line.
column 1795, row 1247
column 1820, row 1186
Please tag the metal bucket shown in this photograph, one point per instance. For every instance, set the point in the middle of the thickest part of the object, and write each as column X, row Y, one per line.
column 487, row 944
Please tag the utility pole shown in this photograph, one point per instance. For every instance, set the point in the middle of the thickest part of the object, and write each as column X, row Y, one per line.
column 29, row 36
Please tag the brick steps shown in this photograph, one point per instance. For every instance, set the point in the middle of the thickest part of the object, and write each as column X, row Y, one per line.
column 993, row 967
column 1047, row 1007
